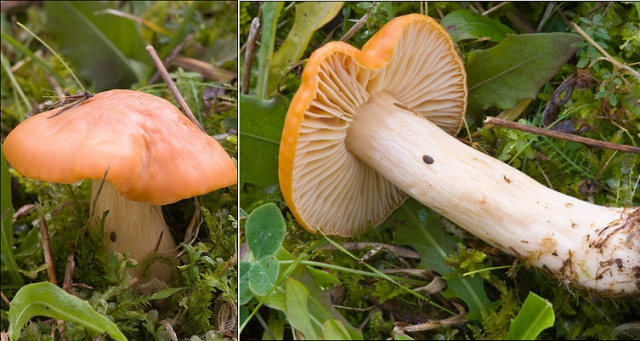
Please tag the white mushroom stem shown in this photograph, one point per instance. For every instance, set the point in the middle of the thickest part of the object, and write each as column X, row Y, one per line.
column 134, row 227
column 593, row 247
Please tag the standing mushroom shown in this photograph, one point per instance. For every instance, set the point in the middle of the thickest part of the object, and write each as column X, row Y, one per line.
column 153, row 154
column 368, row 128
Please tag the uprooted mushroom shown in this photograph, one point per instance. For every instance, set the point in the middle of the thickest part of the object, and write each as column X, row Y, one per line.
column 368, row 128
column 151, row 153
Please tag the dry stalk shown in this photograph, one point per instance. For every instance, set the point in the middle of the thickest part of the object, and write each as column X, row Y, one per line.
column 616, row 64
column 355, row 28
column 173, row 54
column 563, row 136
column 248, row 56
column 172, row 87
column 46, row 245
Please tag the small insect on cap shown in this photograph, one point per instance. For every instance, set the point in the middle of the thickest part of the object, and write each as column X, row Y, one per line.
column 153, row 152
column 411, row 62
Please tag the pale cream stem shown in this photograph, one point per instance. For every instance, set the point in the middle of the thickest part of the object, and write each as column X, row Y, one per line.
column 134, row 227
column 594, row 247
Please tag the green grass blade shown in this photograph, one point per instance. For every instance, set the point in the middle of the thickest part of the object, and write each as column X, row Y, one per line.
column 7, row 244
column 55, row 54
column 180, row 33
column 21, row 111
column 10, row 40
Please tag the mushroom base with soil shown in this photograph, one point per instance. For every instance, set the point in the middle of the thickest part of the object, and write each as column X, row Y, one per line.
column 588, row 246
column 136, row 228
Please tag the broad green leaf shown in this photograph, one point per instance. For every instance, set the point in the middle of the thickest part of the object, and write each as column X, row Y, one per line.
column 515, row 69
column 277, row 326
column 319, row 303
column 6, row 236
column 263, row 275
column 265, row 230
column 46, row 299
column 297, row 297
column 334, row 330
column 268, row 25
column 245, row 293
column 420, row 229
column 466, row 24
column 535, row 316
column 276, row 300
column 310, row 16
column 102, row 47
column 261, row 127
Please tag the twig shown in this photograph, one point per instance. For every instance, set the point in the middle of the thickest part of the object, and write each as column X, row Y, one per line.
column 291, row 69
column 206, row 69
column 4, row 299
column 54, row 83
column 439, row 12
column 564, row 17
column 67, row 284
column 478, row 6
column 615, row 63
column 430, row 325
column 424, row 273
column 598, row 6
column 248, row 56
column 544, row 175
column 46, row 245
column 173, row 54
column 435, row 286
column 169, row 329
column 330, row 35
column 172, row 86
column 562, row 136
column 495, row 8
column 355, row 27
column 545, row 16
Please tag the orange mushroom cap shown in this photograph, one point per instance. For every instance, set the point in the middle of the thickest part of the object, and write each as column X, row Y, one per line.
column 411, row 59
column 153, row 152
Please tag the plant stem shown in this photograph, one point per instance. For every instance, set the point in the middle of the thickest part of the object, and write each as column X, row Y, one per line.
column 248, row 57
column 46, row 245
column 615, row 63
column 354, row 271
column 172, row 86
column 562, row 136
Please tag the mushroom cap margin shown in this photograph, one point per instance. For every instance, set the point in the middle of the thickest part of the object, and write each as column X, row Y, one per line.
column 153, row 152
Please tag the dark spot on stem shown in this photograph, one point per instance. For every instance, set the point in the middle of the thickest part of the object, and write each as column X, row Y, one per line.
column 112, row 236
column 427, row 159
